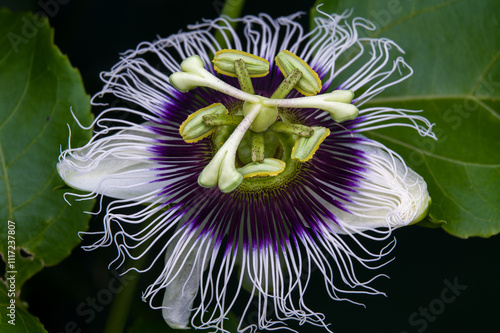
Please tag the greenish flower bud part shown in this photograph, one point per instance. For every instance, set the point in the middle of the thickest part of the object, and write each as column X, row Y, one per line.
column 269, row 167
column 267, row 116
column 305, row 148
column 194, row 128
column 224, row 63
column 310, row 83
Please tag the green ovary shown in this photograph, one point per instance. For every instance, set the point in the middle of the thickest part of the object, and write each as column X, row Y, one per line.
column 266, row 117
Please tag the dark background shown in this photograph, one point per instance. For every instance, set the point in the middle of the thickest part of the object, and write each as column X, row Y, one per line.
column 92, row 33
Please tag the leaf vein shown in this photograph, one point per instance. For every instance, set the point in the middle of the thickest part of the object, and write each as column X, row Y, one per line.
column 483, row 75
column 7, row 184
column 445, row 193
column 412, row 15
column 16, row 107
column 49, row 180
column 427, row 153
column 35, row 139
column 467, row 171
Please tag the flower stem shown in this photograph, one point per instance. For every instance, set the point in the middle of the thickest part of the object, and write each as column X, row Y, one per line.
column 243, row 76
column 118, row 314
column 232, row 9
column 257, row 147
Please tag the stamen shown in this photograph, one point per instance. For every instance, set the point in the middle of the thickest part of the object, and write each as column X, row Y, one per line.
column 224, row 63
column 222, row 120
column 310, row 83
column 257, row 147
column 195, row 128
column 287, row 85
column 243, row 76
column 296, row 129
column 305, row 148
column 269, row 167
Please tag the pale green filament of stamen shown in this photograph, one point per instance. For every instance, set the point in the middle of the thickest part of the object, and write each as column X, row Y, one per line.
column 257, row 147
column 222, row 120
column 287, row 85
column 243, row 76
column 296, row 129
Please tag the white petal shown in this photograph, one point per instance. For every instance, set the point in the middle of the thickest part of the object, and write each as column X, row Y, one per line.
column 390, row 195
column 118, row 166
column 181, row 291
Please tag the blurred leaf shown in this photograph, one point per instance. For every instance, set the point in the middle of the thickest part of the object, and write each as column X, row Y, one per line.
column 454, row 49
column 38, row 87
column 22, row 322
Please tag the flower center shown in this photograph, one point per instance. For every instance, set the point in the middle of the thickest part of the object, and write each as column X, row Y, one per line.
column 257, row 141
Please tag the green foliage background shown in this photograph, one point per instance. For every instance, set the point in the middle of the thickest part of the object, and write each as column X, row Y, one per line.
column 454, row 49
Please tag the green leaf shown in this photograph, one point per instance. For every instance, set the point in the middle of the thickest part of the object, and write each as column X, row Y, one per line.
column 454, row 50
column 19, row 321
column 38, row 87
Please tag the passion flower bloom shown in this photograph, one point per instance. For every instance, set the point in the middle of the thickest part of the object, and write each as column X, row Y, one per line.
column 238, row 166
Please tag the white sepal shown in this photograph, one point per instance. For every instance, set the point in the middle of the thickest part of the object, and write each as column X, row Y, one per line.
column 390, row 194
column 119, row 166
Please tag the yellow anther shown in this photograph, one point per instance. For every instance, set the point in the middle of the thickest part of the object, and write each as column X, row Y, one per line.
column 193, row 129
column 268, row 168
column 304, row 148
column 224, row 63
column 310, row 83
